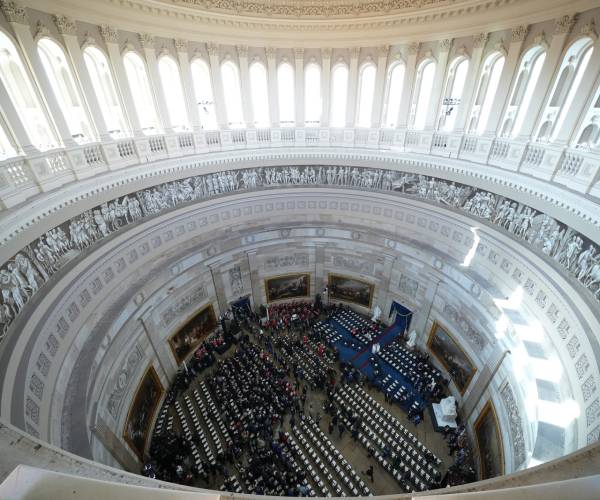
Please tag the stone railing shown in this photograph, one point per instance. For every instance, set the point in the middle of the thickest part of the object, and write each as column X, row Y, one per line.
column 23, row 177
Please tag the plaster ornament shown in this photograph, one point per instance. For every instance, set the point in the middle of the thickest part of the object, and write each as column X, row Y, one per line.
column 65, row 25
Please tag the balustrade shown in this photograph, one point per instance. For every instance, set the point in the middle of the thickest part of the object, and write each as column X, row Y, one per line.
column 575, row 168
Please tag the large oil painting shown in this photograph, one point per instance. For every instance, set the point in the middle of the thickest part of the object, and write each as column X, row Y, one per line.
column 450, row 354
column 193, row 333
column 289, row 286
column 141, row 413
column 489, row 442
column 350, row 290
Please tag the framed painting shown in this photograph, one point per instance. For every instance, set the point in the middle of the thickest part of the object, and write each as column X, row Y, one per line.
column 489, row 442
column 141, row 412
column 449, row 353
column 350, row 290
column 193, row 333
column 289, row 286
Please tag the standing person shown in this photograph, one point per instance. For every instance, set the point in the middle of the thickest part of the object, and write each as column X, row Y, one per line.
column 341, row 429
column 369, row 472
column 331, row 427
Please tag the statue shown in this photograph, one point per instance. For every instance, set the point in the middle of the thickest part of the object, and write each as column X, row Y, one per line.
column 376, row 314
column 448, row 406
column 412, row 339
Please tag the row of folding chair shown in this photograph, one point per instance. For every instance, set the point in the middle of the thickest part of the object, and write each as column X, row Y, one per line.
column 199, row 432
column 309, row 465
column 381, row 413
column 374, row 435
column 349, row 324
column 231, row 484
column 330, row 334
column 161, row 420
column 207, row 422
column 215, row 413
column 336, row 460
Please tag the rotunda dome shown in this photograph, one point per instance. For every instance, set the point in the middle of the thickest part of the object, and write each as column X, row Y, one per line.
column 400, row 192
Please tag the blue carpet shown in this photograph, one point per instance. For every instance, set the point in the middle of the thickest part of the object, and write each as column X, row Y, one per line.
column 359, row 355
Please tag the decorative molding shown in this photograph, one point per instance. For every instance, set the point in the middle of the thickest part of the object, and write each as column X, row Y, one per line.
column 298, row 53
column 326, row 53
column 109, row 34
column 13, row 12
column 589, row 29
column 480, row 40
column 408, row 286
column 270, row 52
column 477, row 341
column 183, row 304
column 519, row 33
column 242, row 51
column 124, row 377
column 445, row 44
column 146, row 40
column 181, row 44
column 323, row 8
column 564, row 24
column 413, row 48
column 355, row 264
column 354, row 52
column 295, row 260
column 515, row 424
column 383, row 50
column 212, row 49
column 41, row 30
column 65, row 25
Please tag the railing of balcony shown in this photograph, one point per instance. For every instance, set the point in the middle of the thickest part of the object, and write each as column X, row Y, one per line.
column 25, row 176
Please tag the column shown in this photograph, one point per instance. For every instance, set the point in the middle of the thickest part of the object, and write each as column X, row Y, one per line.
column 188, row 86
column 382, row 57
column 438, row 84
column 320, row 278
column 111, row 38
column 242, row 51
column 508, row 72
column 254, row 279
column 299, row 90
column 325, row 86
column 272, row 82
column 562, row 29
column 407, row 85
column 384, row 284
column 219, row 287
column 468, row 92
column 14, row 121
column 164, row 356
column 420, row 317
column 147, row 42
column 352, row 87
column 581, row 99
column 66, row 27
column 483, row 380
column 215, row 74
column 23, row 35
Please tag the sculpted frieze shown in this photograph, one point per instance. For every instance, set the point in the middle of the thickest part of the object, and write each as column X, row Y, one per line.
column 22, row 276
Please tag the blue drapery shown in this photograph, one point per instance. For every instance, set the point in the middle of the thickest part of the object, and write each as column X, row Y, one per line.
column 403, row 316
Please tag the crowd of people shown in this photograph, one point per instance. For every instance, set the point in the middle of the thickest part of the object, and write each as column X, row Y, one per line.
column 263, row 388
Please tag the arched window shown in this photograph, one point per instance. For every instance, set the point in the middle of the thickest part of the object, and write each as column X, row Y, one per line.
column 455, row 83
column 63, row 85
column 7, row 148
column 423, row 86
column 565, row 87
column 204, row 93
column 589, row 136
column 105, row 90
column 260, row 94
column 366, row 92
column 395, row 81
column 173, row 90
column 141, row 92
column 286, row 91
column 339, row 94
column 23, row 96
column 233, row 94
column 522, row 91
column 312, row 95
column 486, row 92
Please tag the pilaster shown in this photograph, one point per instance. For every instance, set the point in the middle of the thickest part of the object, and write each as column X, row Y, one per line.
column 147, row 42
column 111, row 40
column 217, row 83
column 242, row 51
column 325, row 86
column 299, row 90
column 382, row 57
column 438, row 84
column 186, row 83
column 508, row 72
column 408, row 85
column 352, row 87
column 272, row 82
